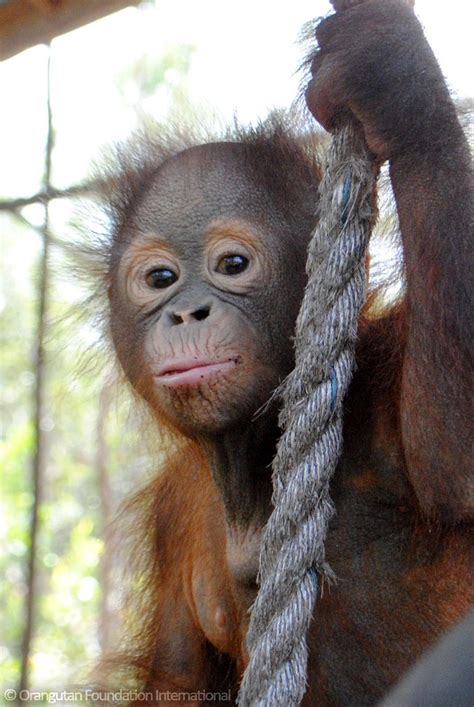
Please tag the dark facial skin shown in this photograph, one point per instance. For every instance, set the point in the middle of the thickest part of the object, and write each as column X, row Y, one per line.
column 401, row 543
column 210, row 278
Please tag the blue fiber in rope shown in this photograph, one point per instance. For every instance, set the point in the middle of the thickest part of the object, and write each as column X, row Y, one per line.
column 333, row 379
column 346, row 193
column 314, row 576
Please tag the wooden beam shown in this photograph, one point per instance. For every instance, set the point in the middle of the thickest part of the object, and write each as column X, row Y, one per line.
column 24, row 23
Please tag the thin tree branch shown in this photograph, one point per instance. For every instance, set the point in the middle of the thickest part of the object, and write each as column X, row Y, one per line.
column 102, row 463
column 49, row 193
column 38, row 412
column 57, row 242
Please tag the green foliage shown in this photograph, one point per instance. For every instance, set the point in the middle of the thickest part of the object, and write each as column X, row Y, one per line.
column 148, row 74
column 71, row 540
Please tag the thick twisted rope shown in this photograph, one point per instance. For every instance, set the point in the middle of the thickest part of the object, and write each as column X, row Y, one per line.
column 292, row 551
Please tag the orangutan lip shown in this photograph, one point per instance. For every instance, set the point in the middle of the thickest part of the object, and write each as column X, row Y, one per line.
column 189, row 372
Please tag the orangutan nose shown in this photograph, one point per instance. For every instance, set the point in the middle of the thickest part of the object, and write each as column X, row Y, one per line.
column 187, row 316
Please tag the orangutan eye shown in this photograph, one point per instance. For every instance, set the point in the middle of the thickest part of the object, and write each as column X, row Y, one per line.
column 159, row 278
column 232, row 264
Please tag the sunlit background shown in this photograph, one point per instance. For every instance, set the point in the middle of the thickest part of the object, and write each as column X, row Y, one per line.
column 204, row 60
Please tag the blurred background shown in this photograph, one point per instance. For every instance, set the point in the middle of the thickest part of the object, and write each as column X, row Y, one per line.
column 70, row 450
